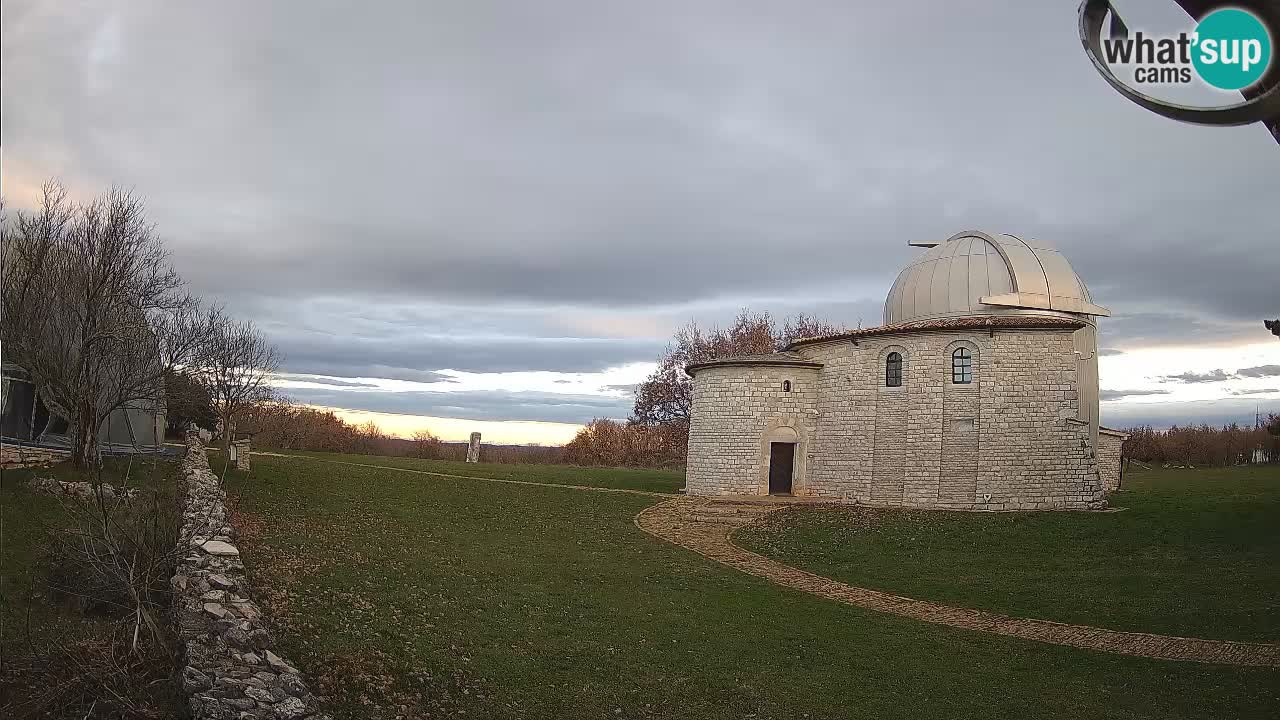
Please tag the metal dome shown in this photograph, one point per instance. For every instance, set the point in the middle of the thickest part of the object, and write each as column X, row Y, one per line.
column 975, row 273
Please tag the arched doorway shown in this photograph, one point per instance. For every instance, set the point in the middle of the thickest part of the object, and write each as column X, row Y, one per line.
column 782, row 460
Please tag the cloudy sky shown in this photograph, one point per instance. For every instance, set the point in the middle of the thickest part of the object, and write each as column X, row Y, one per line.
column 476, row 215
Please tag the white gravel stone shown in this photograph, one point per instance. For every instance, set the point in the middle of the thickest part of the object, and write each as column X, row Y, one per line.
column 220, row 548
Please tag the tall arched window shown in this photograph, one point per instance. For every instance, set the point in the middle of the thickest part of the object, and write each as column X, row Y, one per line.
column 893, row 370
column 962, row 366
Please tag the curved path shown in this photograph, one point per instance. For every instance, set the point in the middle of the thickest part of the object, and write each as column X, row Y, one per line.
column 703, row 526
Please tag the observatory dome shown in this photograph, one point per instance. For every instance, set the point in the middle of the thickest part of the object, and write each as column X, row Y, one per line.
column 976, row 273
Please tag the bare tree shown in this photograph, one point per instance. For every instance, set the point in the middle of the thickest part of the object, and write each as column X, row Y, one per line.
column 1273, row 326
column 93, row 310
column 665, row 398
column 236, row 368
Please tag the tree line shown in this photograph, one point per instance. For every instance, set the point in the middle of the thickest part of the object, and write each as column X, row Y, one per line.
column 281, row 424
column 1205, row 446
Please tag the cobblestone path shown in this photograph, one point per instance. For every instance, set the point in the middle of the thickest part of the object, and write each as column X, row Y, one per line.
column 704, row 526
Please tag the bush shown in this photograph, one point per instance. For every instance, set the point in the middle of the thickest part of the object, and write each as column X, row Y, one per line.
column 610, row 443
column 115, row 557
column 92, row 639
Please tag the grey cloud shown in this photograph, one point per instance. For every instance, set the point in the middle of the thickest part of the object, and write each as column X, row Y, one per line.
column 517, row 166
column 1135, row 327
column 1117, row 394
column 357, row 369
column 727, row 149
column 473, row 405
column 1258, row 391
column 1260, row 371
column 1106, row 352
column 1193, row 377
column 416, row 359
column 327, row 381
column 631, row 388
column 1212, row 412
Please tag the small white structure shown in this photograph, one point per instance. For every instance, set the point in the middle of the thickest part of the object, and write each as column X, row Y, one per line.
column 980, row 391
column 239, row 450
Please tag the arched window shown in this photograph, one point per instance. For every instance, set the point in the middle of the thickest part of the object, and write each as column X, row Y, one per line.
column 786, row 386
column 893, row 370
column 962, row 366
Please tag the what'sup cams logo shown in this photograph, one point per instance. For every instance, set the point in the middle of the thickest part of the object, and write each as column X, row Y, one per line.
column 1229, row 48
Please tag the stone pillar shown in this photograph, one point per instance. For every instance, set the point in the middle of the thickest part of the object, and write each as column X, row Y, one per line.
column 240, row 451
column 473, row 448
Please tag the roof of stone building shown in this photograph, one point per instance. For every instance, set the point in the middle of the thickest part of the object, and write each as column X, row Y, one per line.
column 980, row 322
column 978, row 273
column 778, row 359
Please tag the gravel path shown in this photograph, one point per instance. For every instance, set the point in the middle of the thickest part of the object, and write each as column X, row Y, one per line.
column 704, row 526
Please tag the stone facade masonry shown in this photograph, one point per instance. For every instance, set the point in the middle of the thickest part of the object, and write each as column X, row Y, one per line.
column 1010, row 440
column 737, row 412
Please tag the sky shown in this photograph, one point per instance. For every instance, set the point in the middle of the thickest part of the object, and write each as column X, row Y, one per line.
column 492, row 216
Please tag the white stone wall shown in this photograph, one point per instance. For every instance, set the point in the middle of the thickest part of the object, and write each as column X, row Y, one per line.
column 735, row 412
column 1009, row 440
column 1110, row 447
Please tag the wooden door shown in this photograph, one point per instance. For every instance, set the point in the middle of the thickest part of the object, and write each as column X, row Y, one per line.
column 781, row 463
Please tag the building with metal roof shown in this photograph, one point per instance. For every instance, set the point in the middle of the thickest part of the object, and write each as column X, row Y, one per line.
column 979, row 391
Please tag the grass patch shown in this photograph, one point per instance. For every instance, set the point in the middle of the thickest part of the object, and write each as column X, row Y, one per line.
column 59, row 655
column 405, row 596
column 664, row 481
column 1194, row 553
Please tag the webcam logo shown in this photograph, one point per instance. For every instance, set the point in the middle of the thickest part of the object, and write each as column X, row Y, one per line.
column 1230, row 48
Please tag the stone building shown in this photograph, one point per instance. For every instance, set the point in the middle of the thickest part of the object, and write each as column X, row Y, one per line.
column 979, row 391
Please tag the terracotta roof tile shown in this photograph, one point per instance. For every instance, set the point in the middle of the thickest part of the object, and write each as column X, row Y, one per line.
column 957, row 323
column 782, row 359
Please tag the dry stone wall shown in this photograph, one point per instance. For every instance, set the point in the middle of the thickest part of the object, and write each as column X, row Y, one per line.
column 231, row 671
column 69, row 488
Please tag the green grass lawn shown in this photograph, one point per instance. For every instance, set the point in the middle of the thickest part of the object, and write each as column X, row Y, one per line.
column 664, row 481
column 1194, row 553
column 409, row 595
